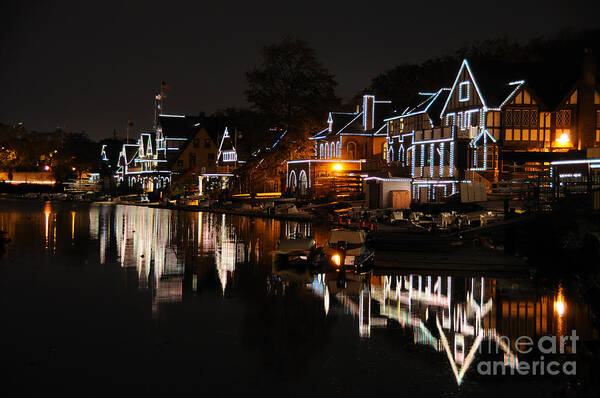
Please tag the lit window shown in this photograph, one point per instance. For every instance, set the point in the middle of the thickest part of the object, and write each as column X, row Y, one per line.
column 464, row 91
column 229, row 156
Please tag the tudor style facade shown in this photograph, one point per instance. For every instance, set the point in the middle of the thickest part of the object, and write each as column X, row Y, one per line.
column 498, row 125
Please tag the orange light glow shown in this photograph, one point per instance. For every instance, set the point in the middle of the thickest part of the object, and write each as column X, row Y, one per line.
column 336, row 259
column 564, row 139
column 559, row 303
column 338, row 167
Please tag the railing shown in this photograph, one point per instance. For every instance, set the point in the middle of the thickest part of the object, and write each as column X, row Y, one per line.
column 425, row 172
column 435, row 133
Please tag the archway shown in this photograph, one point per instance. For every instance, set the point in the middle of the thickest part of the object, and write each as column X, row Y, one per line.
column 292, row 182
column 351, row 149
column 303, row 185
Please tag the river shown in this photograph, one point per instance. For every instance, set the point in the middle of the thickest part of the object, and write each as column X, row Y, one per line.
column 131, row 299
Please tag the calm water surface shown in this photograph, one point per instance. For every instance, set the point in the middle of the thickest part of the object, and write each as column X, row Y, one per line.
column 123, row 298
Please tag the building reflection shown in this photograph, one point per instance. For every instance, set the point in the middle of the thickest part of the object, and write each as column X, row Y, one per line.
column 176, row 252
column 456, row 316
column 174, row 255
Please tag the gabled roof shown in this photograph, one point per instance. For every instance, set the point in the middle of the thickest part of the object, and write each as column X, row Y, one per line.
column 147, row 143
column 352, row 122
column 128, row 153
column 430, row 103
column 549, row 82
column 226, row 144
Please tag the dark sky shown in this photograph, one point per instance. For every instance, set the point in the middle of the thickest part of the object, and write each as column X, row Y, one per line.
column 90, row 65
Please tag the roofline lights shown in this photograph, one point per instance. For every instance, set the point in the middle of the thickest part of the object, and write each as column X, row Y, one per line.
column 577, row 161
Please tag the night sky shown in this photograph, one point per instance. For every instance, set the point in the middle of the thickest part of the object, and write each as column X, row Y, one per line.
column 92, row 65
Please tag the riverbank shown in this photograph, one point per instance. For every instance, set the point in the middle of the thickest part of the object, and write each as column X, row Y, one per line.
column 399, row 247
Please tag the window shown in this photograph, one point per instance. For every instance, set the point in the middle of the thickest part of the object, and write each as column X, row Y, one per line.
column 207, row 143
column 534, row 135
column 192, row 159
column 464, row 91
column 230, row 156
column 351, row 148
column 474, row 119
column 180, row 163
column 196, row 143
column 563, row 118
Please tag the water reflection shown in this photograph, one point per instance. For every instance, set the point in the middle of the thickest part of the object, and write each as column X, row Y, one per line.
column 454, row 315
column 174, row 255
column 161, row 244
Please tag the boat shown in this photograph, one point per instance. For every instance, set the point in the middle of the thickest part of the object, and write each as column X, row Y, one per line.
column 297, row 251
column 347, row 250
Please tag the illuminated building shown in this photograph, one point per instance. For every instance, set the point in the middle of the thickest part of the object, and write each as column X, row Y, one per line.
column 352, row 146
column 498, row 121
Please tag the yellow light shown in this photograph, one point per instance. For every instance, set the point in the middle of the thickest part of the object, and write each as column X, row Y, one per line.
column 563, row 139
column 268, row 194
column 336, row 259
column 560, row 306
column 338, row 167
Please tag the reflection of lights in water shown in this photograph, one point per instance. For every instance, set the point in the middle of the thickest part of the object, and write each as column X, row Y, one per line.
column 47, row 209
column 560, row 307
column 94, row 214
column 144, row 241
column 415, row 301
column 73, row 225
column 225, row 254
column 559, row 304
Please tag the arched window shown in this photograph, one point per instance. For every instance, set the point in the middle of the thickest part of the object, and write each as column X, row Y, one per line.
column 321, row 151
column 292, row 181
column 338, row 150
column 401, row 154
column 303, row 182
column 391, row 153
column 351, row 150
column 326, row 150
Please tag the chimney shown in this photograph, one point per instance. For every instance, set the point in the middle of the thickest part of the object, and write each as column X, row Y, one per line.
column 330, row 122
column 586, row 115
column 368, row 112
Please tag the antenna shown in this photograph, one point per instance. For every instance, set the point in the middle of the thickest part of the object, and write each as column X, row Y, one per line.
column 159, row 102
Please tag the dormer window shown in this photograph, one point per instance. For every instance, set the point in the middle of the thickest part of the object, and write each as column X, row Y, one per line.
column 464, row 91
column 229, row 156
